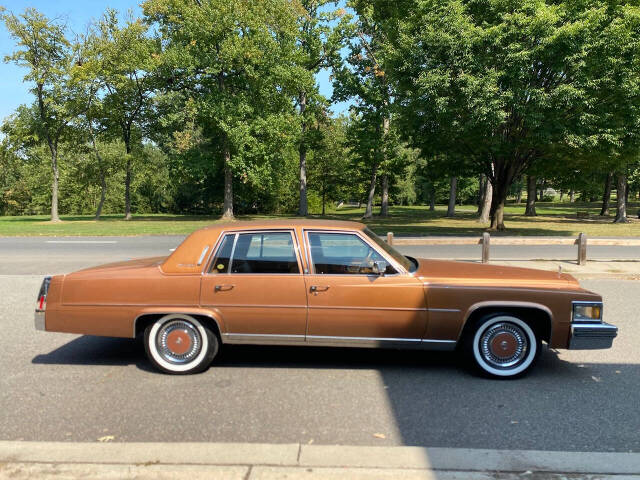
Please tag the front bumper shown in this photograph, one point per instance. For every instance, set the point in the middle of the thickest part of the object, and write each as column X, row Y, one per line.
column 38, row 319
column 592, row 336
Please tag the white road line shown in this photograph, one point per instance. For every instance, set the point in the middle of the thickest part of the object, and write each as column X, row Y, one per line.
column 82, row 241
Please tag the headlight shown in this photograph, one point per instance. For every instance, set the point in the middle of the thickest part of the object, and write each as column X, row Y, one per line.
column 587, row 312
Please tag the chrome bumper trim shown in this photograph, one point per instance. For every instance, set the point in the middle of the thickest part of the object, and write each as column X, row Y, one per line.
column 38, row 320
column 592, row 336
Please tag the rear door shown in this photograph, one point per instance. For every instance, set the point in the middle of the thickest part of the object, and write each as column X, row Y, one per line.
column 255, row 280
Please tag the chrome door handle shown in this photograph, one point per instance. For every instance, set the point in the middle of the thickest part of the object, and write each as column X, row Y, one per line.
column 223, row 288
column 316, row 288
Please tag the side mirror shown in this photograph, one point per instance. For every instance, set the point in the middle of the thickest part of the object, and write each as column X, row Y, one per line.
column 379, row 267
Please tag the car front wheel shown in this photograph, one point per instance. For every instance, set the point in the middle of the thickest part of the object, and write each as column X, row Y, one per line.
column 503, row 346
column 180, row 344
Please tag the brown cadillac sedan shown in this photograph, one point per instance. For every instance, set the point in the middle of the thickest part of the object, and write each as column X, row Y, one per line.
column 321, row 283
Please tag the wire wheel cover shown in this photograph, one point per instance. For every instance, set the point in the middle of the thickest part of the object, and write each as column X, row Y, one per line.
column 178, row 342
column 504, row 345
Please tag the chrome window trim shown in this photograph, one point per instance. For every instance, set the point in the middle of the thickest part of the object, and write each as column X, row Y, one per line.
column 233, row 251
column 223, row 233
column 400, row 270
column 202, row 255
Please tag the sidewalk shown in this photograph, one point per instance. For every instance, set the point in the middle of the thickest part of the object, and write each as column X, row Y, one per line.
column 230, row 461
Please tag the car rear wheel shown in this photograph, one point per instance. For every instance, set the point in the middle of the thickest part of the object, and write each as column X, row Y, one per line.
column 503, row 346
column 180, row 344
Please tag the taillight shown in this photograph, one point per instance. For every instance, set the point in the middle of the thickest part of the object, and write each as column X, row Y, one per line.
column 41, row 304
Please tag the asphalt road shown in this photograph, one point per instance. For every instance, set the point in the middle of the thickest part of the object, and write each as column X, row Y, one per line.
column 79, row 388
column 40, row 255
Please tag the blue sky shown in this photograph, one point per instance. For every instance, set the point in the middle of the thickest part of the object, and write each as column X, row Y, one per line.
column 76, row 14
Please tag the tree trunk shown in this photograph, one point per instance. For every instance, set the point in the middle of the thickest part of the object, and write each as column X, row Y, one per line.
column 572, row 196
column 227, row 209
column 103, row 193
column 621, row 215
column 542, row 189
column 486, row 202
column 372, row 190
column 324, row 196
column 561, row 194
column 127, row 179
column 103, row 177
column 519, row 194
column 497, row 218
column 451, row 209
column 384, row 210
column 503, row 177
column 530, row 211
column 432, row 198
column 54, row 184
column 303, row 209
column 497, row 207
column 606, row 196
column 482, row 191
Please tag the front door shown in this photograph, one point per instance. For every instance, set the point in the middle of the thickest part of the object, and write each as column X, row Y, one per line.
column 255, row 281
column 350, row 304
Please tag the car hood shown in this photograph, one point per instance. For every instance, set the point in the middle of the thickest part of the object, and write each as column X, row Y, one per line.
column 469, row 273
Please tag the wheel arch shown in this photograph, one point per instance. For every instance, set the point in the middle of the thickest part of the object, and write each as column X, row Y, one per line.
column 144, row 319
column 537, row 316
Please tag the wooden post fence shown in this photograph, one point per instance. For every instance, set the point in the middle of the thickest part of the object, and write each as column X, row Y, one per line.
column 486, row 241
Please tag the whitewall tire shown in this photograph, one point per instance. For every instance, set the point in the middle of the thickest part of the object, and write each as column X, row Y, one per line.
column 503, row 346
column 180, row 344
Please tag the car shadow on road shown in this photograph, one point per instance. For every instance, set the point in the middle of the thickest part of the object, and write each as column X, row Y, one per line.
column 91, row 350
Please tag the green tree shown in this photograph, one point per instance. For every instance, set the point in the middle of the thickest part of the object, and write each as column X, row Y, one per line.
column 239, row 63
column 122, row 60
column 363, row 76
column 43, row 49
column 330, row 160
column 510, row 83
column 320, row 43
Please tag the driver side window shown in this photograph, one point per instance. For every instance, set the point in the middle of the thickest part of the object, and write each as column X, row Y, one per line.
column 343, row 254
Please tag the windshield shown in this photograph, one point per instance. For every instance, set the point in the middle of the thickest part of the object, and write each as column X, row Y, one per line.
column 397, row 256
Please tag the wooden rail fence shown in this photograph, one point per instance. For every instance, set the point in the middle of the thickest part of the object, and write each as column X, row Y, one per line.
column 486, row 241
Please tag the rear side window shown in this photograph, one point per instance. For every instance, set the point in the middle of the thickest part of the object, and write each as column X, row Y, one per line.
column 268, row 252
column 221, row 262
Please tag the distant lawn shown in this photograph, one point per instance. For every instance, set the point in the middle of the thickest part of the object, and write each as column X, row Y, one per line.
column 552, row 219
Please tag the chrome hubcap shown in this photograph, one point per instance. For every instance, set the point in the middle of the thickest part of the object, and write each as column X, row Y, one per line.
column 178, row 341
column 504, row 345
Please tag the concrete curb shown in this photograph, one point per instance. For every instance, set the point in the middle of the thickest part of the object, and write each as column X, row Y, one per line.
column 320, row 456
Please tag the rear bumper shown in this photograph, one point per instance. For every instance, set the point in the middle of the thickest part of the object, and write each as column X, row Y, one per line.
column 38, row 320
column 592, row 336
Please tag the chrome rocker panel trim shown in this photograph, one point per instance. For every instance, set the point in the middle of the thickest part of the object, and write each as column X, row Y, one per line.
column 329, row 341
column 592, row 336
